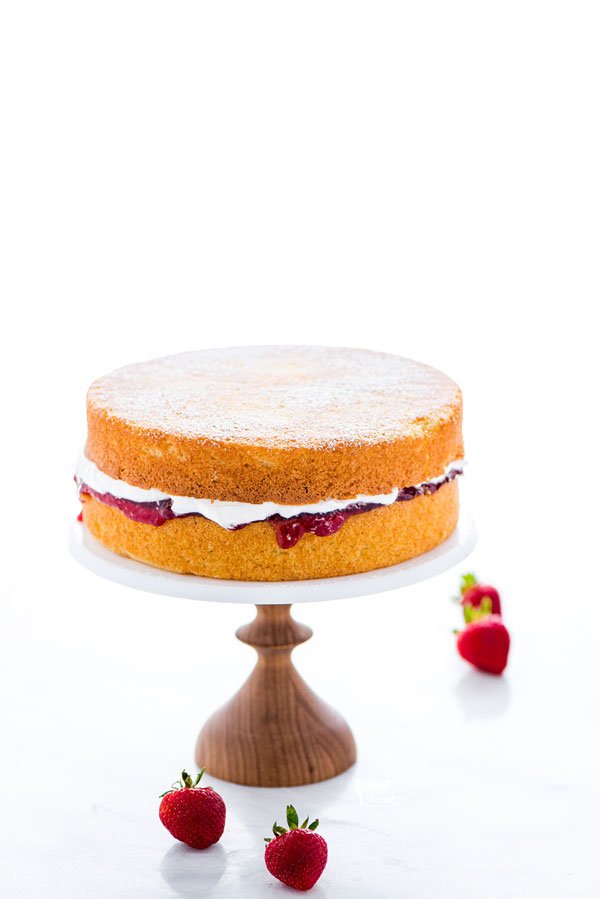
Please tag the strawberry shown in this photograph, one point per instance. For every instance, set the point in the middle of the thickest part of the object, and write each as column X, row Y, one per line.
column 296, row 857
column 195, row 815
column 485, row 643
column 473, row 593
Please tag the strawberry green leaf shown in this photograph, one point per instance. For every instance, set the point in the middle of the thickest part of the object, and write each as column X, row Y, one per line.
column 469, row 613
column 314, row 825
column 486, row 605
column 472, row 614
column 466, row 581
column 185, row 783
column 292, row 817
column 304, row 823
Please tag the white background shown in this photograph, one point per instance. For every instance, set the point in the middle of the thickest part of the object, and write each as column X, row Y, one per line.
column 417, row 178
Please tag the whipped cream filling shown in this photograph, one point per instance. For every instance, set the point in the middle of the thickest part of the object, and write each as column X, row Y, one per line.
column 231, row 515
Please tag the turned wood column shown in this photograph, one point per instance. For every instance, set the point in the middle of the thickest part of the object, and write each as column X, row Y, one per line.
column 275, row 731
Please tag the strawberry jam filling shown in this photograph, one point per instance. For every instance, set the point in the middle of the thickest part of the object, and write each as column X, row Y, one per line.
column 288, row 531
column 145, row 513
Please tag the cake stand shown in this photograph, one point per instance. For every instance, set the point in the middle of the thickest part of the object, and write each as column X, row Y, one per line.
column 275, row 732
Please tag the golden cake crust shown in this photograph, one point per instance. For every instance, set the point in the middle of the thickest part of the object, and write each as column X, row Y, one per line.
column 293, row 425
column 374, row 539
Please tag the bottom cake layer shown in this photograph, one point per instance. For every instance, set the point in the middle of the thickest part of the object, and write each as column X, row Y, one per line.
column 375, row 539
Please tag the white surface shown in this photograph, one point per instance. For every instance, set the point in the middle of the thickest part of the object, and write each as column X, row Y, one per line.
column 466, row 785
column 416, row 178
column 91, row 554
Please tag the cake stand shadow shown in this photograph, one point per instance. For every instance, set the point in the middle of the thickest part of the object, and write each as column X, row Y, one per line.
column 275, row 731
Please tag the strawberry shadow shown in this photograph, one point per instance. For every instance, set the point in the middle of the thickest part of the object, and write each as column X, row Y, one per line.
column 482, row 695
column 193, row 872
column 280, row 889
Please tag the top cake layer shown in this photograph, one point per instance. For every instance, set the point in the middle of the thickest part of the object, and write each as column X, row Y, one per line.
column 286, row 424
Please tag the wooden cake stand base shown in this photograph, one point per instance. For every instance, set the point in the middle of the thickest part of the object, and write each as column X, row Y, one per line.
column 275, row 732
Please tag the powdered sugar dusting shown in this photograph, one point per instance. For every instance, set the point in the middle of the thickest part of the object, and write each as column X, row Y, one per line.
column 282, row 396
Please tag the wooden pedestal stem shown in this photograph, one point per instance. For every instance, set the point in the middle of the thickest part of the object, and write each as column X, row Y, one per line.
column 275, row 732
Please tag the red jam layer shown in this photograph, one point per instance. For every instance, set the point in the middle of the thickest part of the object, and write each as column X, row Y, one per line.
column 288, row 531
column 145, row 513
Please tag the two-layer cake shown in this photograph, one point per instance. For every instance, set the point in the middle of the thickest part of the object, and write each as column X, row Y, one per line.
column 272, row 463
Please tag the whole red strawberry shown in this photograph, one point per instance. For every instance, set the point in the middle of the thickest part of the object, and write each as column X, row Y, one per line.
column 485, row 643
column 473, row 594
column 296, row 857
column 195, row 815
